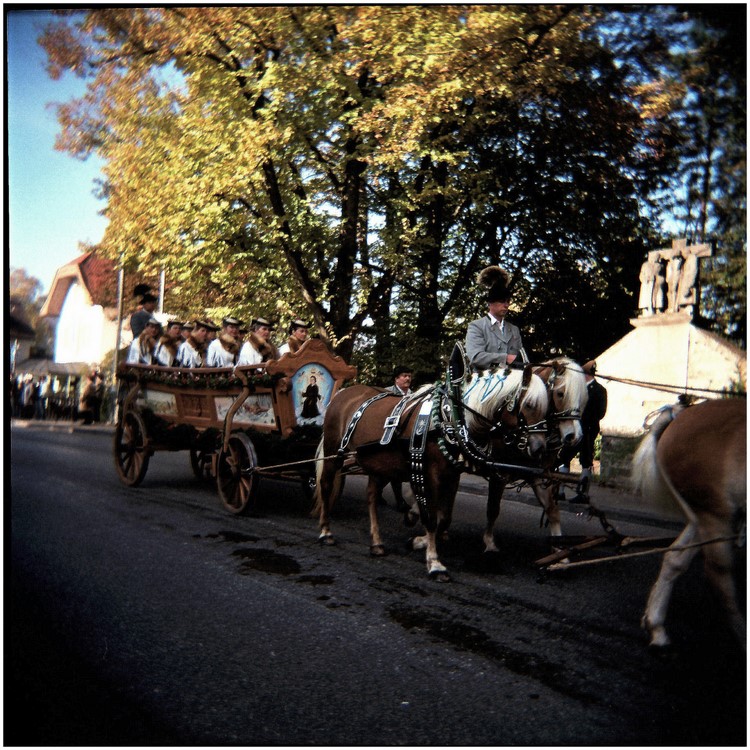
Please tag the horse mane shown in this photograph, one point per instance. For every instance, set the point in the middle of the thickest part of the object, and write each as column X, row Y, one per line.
column 486, row 392
column 576, row 389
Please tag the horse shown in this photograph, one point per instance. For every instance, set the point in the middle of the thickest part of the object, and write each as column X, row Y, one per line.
column 566, row 386
column 696, row 456
column 512, row 405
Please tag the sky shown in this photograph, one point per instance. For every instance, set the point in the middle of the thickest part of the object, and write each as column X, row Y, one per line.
column 50, row 206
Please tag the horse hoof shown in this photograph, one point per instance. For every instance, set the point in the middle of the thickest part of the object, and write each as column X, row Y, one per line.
column 377, row 550
column 441, row 576
column 327, row 541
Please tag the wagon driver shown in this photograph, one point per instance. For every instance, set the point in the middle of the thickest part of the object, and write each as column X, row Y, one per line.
column 493, row 341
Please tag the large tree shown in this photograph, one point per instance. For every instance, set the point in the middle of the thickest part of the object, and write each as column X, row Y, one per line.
column 350, row 162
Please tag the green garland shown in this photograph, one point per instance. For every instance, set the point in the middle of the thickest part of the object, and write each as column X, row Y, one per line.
column 199, row 379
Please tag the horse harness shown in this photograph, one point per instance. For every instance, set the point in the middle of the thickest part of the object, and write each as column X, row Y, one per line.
column 442, row 408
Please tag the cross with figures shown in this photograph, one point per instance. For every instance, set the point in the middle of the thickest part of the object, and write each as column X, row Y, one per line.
column 669, row 279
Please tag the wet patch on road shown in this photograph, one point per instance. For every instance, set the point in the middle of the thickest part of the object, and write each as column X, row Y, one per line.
column 266, row 561
column 465, row 637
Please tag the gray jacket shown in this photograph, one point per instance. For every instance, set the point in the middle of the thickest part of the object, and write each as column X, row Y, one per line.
column 486, row 346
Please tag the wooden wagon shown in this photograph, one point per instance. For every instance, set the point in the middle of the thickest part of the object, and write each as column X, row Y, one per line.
column 237, row 423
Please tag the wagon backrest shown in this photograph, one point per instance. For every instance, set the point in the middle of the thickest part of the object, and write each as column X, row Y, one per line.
column 310, row 378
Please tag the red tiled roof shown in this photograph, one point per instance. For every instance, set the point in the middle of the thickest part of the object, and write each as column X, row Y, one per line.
column 97, row 275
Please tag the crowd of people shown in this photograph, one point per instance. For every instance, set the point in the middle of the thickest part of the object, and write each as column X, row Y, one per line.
column 47, row 397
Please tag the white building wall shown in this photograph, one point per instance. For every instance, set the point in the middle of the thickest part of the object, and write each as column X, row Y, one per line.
column 668, row 351
column 80, row 329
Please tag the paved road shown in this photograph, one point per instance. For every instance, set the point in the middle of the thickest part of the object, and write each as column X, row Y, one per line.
column 150, row 616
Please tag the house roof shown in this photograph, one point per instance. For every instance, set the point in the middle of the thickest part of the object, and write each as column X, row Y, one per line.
column 96, row 275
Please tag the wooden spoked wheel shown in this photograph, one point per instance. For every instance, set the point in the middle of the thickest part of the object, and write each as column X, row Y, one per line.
column 235, row 474
column 131, row 449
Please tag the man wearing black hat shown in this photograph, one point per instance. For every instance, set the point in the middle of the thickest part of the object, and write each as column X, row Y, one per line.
column 192, row 351
column 401, row 381
column 493, row 341
column 142, row 349
column 258, row 348
column 297, row 337
column 140, row 317
column 222, row 351
column 165, row 352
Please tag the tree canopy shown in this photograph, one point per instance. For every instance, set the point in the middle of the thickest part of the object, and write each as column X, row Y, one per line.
column 358, row 165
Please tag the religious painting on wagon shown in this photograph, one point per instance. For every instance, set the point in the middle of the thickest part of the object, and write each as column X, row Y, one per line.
column 312, row 387
column 256, row 410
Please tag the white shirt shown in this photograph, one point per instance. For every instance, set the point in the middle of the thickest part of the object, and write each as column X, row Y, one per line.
column 249, row 355
column 218, row 356
column 163, row 356
column 139, row 355
column 187, row 356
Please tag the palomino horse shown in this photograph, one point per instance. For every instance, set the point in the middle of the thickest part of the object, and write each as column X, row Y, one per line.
column 697, row 456
column 568, row 395
column 509, row 402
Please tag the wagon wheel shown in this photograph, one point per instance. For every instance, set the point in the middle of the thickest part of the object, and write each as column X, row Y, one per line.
column 235, row 473
column 131, row 449
column 200, row 460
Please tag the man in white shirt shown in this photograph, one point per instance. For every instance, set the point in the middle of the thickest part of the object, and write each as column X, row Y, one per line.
column 222, row 351
column 192, row 351
column 297, row 337
column 258, row 348
column 142, row 349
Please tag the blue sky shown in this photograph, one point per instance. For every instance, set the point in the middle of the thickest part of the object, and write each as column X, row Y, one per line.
column 50, row 202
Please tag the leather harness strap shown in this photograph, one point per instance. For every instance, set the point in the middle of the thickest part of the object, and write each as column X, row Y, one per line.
column 391, row 422
column 416, row 451
column 355, row 420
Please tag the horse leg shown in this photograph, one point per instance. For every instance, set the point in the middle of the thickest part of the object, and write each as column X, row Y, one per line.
column 548, row 501
column 441, row 488
column 494, row 496
column 375, row 488
column 718, row 561
column 329, row 487
column 674, row 565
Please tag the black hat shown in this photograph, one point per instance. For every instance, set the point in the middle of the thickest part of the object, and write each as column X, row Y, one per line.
column 231, row 322
column 400, row 369
column 261, row 322
column 140, row 289
column 171, row 323
column 148, row 297
column 209, row 325
column 495, row 280
column 297, row 323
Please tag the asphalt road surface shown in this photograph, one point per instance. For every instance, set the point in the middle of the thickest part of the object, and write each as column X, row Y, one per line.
column 151, row 616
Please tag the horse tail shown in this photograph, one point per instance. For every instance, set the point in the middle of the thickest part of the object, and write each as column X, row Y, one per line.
column 646, row 476
column 337, row 486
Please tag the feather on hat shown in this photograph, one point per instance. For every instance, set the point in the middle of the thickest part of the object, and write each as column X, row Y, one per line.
column 495, row 280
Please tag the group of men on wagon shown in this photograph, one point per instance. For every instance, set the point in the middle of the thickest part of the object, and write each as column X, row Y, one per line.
column 201, row 343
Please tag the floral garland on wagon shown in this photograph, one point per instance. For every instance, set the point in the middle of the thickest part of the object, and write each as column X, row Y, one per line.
column 196, row 378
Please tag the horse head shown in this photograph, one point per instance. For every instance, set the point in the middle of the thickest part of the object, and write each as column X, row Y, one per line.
column 508, row 407
column 568, row 395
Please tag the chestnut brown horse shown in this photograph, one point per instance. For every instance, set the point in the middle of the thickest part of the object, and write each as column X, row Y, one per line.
column 697, row 456
column 510, row 402
column 568, row 395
